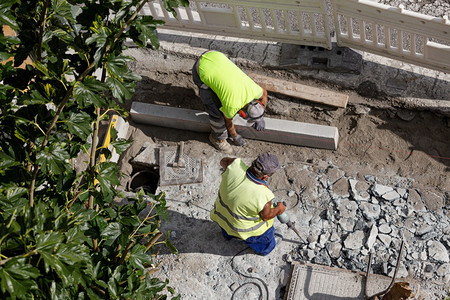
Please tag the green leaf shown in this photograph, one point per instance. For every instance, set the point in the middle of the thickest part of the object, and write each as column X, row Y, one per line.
column 15, row 192
column 138, row 258
column 63, row 9
column 116, row 66
column 120, row 145
column 15, row 277
column 7, row 161
column 146, row 27
column 119, row 90
column 55, row 264
column 111, row 233
column 79, row 124
column 53, row 159
column 108, row 176
column 6, row 18
column 48, row 241
column 86, row 93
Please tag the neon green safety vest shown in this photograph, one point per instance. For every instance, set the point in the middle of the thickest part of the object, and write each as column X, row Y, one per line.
column 233, row 87
column 240, row 200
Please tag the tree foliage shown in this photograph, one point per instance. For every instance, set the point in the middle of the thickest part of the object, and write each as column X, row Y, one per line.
column 62, row 235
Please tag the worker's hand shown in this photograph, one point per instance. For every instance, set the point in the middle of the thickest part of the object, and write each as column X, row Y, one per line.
column 238, row 140
column 260, row 125
column 281, row 206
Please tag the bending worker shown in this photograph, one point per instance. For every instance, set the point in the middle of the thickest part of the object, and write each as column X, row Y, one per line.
column 226, row 90
column 243, row 208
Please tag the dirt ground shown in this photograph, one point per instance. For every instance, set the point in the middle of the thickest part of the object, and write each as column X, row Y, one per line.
column 379, row 137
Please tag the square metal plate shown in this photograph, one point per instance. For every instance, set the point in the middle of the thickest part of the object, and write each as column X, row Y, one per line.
column 169, row 175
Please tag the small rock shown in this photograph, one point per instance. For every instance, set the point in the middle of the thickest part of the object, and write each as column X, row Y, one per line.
column 437, row 252
column 347, row 224
column 428, row 268
column 406, row 115
column 372, row 237
column 390, row 196
column 291, row 193
column 340, row 189
column 385, row 239
column 322, row 258
column 347, row 208
column 354, row 240
column 385, row 228
column 443, row 270
column 423, row 229
column 358, row 190
column 415, row 201
column 370, row 211
column 379, row 190
column 334, row 249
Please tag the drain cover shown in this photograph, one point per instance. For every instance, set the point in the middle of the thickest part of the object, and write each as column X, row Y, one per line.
column 168, row 175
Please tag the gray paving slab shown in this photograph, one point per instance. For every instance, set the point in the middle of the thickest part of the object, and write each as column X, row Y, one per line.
column 310, row 281
column 277, row 131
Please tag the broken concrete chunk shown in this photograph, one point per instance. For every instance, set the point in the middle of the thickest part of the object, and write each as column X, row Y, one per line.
column 358, row 190
column 432, row 201
column 340, row 188
column 379, row 190
column 443, row 270
column 390, row 196
column 385, row 228
column 354, row 240
column 370, row 211
column 415, row 201
column 334, row 249
column 385, row 239
column 347, row 208
column 437, row 252
column 148, row 156
column 372, row 237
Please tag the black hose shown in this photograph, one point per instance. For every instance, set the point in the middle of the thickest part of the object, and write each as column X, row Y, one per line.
column 247, row 276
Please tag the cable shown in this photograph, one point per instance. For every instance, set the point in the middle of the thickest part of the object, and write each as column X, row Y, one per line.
column 247, row 276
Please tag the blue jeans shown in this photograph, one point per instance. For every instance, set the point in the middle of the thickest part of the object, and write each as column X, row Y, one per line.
column 262, row 244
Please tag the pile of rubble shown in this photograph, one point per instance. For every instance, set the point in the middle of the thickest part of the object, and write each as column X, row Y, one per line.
column 355, row 217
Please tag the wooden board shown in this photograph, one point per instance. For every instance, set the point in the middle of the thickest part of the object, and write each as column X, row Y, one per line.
column 302, row 91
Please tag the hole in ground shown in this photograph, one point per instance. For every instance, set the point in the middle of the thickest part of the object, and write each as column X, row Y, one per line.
column 145, row 179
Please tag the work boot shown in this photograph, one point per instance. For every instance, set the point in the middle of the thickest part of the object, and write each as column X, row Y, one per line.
column 221, row 145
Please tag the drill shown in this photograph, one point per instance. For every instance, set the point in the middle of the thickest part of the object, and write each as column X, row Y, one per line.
column 285, row 219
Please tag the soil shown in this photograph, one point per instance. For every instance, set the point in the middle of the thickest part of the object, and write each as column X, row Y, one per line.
column 374, row 138
column 398, row 146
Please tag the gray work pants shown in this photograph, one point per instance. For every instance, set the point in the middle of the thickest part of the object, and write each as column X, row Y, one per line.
column 212, row 104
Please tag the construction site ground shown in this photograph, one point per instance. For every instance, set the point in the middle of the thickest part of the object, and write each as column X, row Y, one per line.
column 396, row 138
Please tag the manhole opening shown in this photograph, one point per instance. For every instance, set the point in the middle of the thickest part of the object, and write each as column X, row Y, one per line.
column 146, row 179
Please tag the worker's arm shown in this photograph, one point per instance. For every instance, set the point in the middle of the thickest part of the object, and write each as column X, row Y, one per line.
column 230, row 127
column 269, row 213
column 226, row 161
column 263, row 98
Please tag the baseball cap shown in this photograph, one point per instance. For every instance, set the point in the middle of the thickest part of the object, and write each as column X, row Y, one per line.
column 267, row 163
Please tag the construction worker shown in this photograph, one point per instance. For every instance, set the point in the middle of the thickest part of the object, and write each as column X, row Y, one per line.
column 243, row 208
column 226, row 90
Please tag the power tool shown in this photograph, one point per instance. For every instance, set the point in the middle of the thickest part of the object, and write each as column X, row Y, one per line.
column 284, row 218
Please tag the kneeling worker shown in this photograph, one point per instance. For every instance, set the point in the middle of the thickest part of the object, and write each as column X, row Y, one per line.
column 226, row 90
column 243, row 208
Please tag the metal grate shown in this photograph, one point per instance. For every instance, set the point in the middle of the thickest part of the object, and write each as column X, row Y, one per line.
column 191, row 173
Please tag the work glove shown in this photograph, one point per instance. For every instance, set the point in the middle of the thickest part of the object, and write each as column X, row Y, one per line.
column 259, row 125
column 238, row 140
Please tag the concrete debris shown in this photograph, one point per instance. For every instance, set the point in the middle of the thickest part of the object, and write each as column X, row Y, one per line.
column 368, row 216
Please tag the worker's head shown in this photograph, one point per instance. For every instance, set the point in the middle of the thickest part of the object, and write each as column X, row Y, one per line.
column 253, row 111
column 265, row 165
